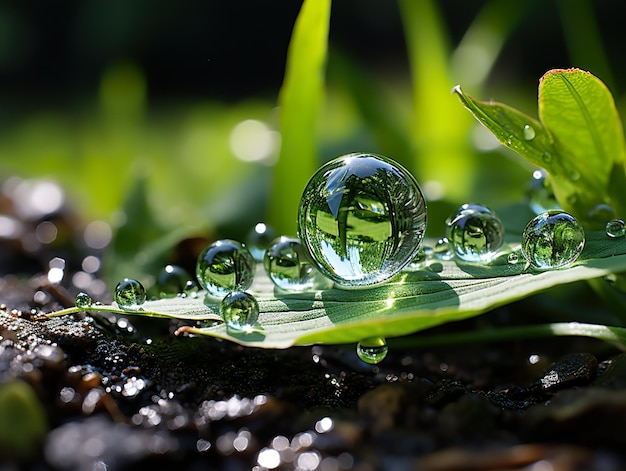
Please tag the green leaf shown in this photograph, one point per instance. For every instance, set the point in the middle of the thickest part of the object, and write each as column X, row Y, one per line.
column 580, row 113
column 415, row 300
column 579, row 140
column 300, row 100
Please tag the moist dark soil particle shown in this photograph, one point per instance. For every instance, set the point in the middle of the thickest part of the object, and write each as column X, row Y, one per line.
column 102, row 392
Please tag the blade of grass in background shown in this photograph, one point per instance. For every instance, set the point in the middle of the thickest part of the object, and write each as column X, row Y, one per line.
column 439, row 131
column 583, row 40
column 300, row 101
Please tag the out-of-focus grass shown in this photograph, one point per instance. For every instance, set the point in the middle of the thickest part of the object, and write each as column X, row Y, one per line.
column 186, row 153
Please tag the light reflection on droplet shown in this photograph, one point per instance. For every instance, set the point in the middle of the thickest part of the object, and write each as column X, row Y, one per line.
column 268, row 458
column 534, row 359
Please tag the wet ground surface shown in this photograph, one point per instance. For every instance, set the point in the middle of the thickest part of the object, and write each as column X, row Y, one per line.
column 100, row 392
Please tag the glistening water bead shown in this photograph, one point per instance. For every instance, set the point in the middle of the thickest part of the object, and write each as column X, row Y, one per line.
column 615, row 228
column 553, row 239
column 372, row 350
column 130, row 294
column 83, row 301
column 224, row 266
column 240, row 311
column 173, row 280
column 287, row 265
column 362, row 218
column 475, row 232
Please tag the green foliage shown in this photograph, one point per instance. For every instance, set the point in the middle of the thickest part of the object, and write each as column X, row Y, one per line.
column 300, row 101
column 578, row 139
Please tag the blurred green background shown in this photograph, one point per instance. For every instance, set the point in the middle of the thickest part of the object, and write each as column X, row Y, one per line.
column 161, row 117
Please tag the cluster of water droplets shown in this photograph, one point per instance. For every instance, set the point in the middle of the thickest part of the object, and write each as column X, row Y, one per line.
column 362, row 220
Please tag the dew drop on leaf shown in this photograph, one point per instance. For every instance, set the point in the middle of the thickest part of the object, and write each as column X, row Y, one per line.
column 546, row 157
column 240, row 311
column 372, row 350
column 540, row 195
column 475, row 232
column 129, row 294
column 258, row 240
column 83, row 301
column 223, row 266
column 602, row 212
column 528, row 132
column 287, row 265
column 443, row 249
column 513, row 258
column 173, row 280
column 362, row 218
column 615, row 228
column 553, row 239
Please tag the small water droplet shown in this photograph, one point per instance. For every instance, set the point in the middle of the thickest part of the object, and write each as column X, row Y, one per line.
column 553, row 239
column 602, row 212
column 173, row 281
column 572, row 199
column 540, row 195
column 443, row 249
column 615, row 228
column 475, row 233
column 83, row 301
column 130, row 294
column 224, row 266
column 528, row 132
column 513, row 258
column 372, row 350
column 362, row 218
column 289, row 268
column 574, row 175
column 546, row 157
column 259, row 239
column 240, row 311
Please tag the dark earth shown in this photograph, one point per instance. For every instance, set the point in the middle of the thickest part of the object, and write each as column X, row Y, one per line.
column 102, row 392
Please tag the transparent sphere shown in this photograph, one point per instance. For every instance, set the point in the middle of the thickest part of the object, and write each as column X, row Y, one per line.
column 553, row 239
column 259, row 239
column 240, row 311
column 174, row 280
column 83, row 300
column 615, row 228
column 372, row 350
column 288, row 266
column 223, row 266
column 129, row 294
column 362, row 218
column 475, row 233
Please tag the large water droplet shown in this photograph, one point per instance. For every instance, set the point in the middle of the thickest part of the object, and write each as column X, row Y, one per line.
column 130, row 294
column 615, row 228
column 289, row 268
column 553, row 239
column 475, row 232
column 224, row 266
column 372, row 350
column 362, row 218
column 83, row 301
column 259, row 239
column 528, row 132
column 173, row 280
column 540, row 195
column 240, row 311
